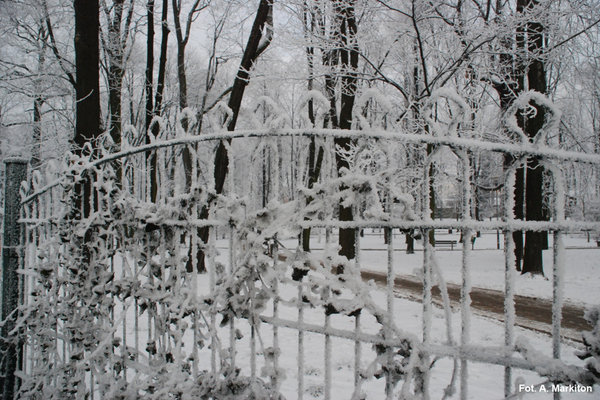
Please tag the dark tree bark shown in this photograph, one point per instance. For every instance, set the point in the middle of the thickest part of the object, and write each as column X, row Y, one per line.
column 162, row 60
column 254, row 48
column 182, row 35
column 160, row 85
column 264, row 16
column 181, row 45
column 519, row 212
column 314, row 171
column 149, row 80
column 87, row 89
column 512, row 69
column 114, row 45
column 36, row 153
column 114, row 50
column 536, row 76
column 315, row 157
column 38, row 102
column 87, row 69
column 410, row 242
column 528, row 188
column 432, row 199
column 349, row 65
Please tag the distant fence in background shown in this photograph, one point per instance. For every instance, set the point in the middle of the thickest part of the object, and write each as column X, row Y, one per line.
column 110, row 306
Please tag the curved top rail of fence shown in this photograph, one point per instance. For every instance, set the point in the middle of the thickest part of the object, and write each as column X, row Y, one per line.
column 517, row 150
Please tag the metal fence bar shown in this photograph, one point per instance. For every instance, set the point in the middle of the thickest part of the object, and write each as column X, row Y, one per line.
column 520, row 149
column 211, row 289
column 465, row 298
column 389, row 384
column 327, row 358
column 276, row 351
column 558, row 263
column 300, row 366
column 357, row 346
column 232, row 268
column 509, row 270
column 423, row 385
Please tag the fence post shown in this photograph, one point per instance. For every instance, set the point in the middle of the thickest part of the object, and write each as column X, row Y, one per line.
column 15, row 173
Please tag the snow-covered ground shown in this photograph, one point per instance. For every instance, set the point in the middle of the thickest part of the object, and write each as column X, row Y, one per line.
column 485, row 381
column 582, row 263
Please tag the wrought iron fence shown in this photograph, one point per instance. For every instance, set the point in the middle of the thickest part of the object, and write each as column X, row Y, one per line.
column 112, row 305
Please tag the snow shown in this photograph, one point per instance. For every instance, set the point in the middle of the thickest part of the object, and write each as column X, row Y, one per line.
column 484, row 380
column 318, row 351
column 582, row 277
column 321, row 357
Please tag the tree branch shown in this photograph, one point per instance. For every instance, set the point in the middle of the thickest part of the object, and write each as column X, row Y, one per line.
column 54, row 47
column 573, row 36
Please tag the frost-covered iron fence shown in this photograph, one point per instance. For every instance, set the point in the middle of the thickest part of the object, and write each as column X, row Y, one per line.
column 113, row 306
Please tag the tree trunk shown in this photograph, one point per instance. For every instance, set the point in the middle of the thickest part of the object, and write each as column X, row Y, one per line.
column 251, row 53
column 410, row 242
column 87, row 89
column 349, row 65
column 87, row 113
column 313, row 169
column 182, row 38
column 162, row 66
column 87, row 69
column 115, row 84
column 513, row 71
column 115, row 71
column 149, row 80
column 519, row 214
column 264, row 16
column 432, row 199
column 36, row 153
column 534, row 241
column 536, row 76
column 38, row 102
column 181, row 76
column 162, row 59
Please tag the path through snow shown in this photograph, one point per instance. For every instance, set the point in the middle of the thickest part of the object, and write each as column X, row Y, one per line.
column 532, row 313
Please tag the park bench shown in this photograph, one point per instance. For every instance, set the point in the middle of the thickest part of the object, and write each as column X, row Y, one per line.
column 440, row 243
column 451, row 243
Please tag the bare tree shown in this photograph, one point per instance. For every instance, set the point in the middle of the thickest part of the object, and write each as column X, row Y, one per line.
column 118, row 18
column 87, row 88
column 149, row 73
column 156, row 108
column 182, row 34
column 536, row 80
column 87, row 72
column 313, row 20
column 260, row 37
column 346, row 23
